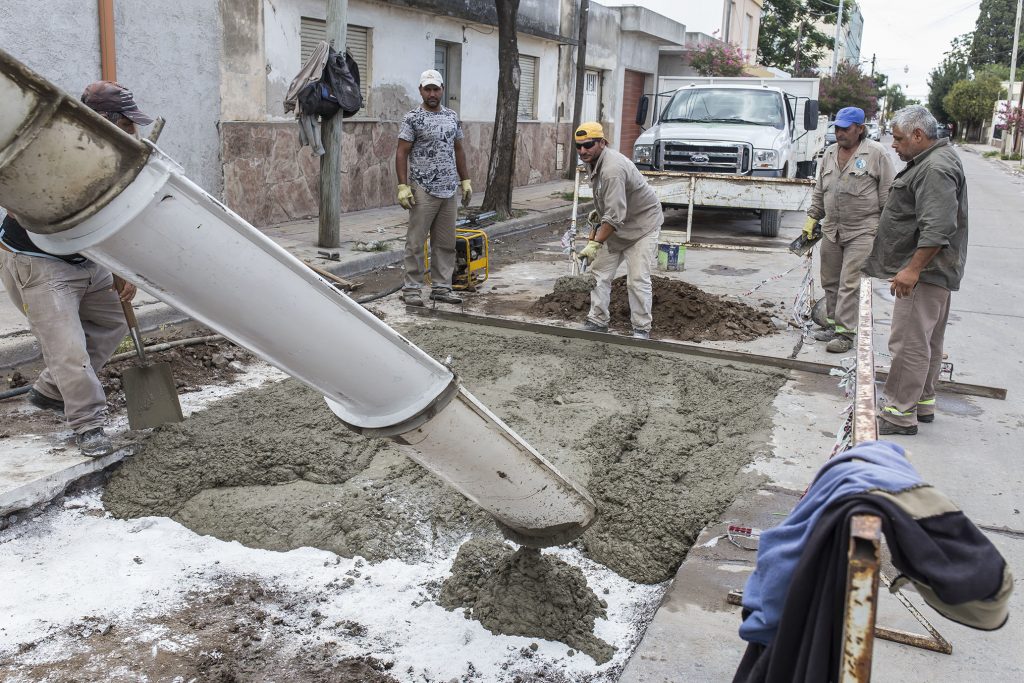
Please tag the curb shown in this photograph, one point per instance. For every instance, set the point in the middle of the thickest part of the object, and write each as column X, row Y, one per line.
column 159, row 314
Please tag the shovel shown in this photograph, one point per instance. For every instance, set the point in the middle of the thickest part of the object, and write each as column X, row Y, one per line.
column 150, row 390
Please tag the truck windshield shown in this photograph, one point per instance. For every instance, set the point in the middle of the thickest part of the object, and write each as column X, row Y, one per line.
column 722, row 105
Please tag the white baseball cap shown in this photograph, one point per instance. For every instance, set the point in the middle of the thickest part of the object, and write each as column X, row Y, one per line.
column 431, row 77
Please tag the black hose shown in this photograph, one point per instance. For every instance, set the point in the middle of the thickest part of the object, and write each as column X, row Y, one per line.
column 374, row 297
column 11, row 393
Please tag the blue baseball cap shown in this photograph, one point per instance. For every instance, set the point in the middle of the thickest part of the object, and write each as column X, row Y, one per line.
column 847, row 116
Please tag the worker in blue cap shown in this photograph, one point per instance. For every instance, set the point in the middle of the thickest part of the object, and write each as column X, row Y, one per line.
column 849, row 193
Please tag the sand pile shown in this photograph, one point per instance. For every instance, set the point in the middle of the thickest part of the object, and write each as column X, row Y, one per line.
column 681, row 311
column 525, row 593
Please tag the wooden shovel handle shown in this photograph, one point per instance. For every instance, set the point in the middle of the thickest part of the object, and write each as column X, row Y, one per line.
column 129, row 315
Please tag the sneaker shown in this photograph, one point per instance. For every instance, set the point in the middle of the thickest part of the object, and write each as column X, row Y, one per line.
column 594, row 327
column 885, row 428
column 445, row 296
column 641, row 334
column 926, row 418
column 827, row 334
column 839, row 344
column 94, row 443
column 45, row 402
column 412, row 298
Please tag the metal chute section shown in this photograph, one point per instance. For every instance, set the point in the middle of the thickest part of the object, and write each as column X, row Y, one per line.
column 78, row 161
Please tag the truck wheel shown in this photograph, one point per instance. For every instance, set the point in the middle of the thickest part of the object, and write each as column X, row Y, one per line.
column 770, row 222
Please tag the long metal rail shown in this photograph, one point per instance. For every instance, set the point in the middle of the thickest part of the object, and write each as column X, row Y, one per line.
column 684, row 348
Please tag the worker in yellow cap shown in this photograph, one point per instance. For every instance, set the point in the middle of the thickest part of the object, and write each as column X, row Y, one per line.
column 625, row 225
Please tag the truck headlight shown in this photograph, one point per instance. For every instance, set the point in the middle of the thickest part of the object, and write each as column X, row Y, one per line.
column 766, row 158
column 643, row 154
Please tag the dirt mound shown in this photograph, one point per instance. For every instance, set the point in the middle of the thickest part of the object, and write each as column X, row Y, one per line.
column 681, row 311
column 525, row 593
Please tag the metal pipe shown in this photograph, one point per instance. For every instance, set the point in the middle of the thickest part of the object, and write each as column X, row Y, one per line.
column 108, row 43
column 865, row 426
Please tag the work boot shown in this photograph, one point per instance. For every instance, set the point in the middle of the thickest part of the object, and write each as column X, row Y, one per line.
column 412, row 298
column 926, row 418
column 826, row 334
column 839, row 344
column 886, row 428
column 43, row 401
column 94, row 443
column 594, row 327
column 641, row 334
column 445, row 296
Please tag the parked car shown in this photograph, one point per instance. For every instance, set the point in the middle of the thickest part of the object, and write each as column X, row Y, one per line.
column 942, row 130
column 874, row 132
column 830, row 133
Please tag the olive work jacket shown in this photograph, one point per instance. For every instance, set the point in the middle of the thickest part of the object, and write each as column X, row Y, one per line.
column 927, row 207
column 849, row 200
column 624, row 200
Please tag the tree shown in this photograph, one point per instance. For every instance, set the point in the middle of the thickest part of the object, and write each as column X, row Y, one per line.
column 954, row 67
column 993, row 33
column 848, row 88
column 717, row 59
column 502, row 164
column 788, row 38
column 970, row 103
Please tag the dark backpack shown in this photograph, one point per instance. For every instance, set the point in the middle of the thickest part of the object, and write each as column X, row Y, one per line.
column 338, row 88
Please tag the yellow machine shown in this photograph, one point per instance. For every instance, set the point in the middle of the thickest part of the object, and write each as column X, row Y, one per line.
column 471, row 254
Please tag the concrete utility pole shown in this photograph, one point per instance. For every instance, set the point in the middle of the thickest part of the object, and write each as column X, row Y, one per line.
column 581, row 72
column 1013, row 75
column 330, row 162
column 835, row 46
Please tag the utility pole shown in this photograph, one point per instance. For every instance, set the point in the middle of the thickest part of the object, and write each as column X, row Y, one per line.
column 330, row 163
column 1009, row 91
column 799, row 40
column 581, row 72
column 835, row 46
column 872, row 65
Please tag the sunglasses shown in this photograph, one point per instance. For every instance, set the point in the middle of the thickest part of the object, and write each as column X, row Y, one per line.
column 586, row 145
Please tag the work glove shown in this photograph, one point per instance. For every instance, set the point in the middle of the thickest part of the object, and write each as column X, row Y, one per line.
column 809, row 227
column 589, row 252
column 467, row 191
column 405, row 196
column 594, row 218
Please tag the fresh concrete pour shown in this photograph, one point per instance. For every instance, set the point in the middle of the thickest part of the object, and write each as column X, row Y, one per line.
column 658, row 440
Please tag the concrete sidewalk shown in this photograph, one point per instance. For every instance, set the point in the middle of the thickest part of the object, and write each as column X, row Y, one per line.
column 535, row 205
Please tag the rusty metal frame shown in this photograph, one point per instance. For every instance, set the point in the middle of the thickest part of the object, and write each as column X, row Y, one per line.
column 865, row 428
column 861, row 604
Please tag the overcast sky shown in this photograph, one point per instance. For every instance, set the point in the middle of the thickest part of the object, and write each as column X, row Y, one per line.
column 902, row 33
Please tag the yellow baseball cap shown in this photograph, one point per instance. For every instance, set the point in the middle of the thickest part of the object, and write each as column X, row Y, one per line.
column 591, row 130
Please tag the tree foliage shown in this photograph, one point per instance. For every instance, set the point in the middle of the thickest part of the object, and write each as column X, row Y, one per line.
column 971, row 102
column 848, row 88
column 717, row 59
column 788, row 38
column 993, row 33
column 954, row 67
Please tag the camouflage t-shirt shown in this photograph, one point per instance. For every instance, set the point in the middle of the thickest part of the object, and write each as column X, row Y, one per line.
column 432, row 160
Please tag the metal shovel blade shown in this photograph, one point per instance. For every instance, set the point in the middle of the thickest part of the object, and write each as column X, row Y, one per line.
column 152, row 396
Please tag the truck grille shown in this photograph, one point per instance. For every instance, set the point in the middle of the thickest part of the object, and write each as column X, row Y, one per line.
column 705, row 157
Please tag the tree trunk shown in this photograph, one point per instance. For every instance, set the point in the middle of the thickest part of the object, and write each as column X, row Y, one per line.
column 502, row 164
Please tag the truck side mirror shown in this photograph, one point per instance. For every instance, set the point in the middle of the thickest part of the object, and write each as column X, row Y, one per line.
column 641, row 110
column 811, row 115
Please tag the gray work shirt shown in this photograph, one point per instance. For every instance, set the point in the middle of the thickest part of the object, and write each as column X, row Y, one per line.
column 432, row 159
column 850, row 199
column 927, row 207
column 624, row 200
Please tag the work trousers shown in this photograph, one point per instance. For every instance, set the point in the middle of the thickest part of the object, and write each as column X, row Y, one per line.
column 639, row 258
column 915, row 343
column 434, row 218
column 77, row 318
column 841, row 262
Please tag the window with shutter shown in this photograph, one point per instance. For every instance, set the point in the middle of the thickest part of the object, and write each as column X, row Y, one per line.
column 312, row 31
column 527, row 87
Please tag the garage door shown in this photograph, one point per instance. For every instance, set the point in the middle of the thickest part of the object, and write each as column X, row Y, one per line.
column 632, row 89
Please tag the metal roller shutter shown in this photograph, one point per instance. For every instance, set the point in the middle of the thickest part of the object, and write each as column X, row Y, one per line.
column 527, row 87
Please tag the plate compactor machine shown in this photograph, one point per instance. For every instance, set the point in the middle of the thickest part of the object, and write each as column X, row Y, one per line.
column 472, row 252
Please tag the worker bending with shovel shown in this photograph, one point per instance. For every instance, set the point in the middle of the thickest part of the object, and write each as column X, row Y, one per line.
column 625, row 226
column 848, row 197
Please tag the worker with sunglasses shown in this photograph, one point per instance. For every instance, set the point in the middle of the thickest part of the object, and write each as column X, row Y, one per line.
column 625, row 226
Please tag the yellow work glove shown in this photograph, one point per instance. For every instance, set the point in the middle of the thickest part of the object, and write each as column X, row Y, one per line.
column 809, row 226
column 589, row 252
column 594, row 218
column 405, row 196
column 467, row 191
